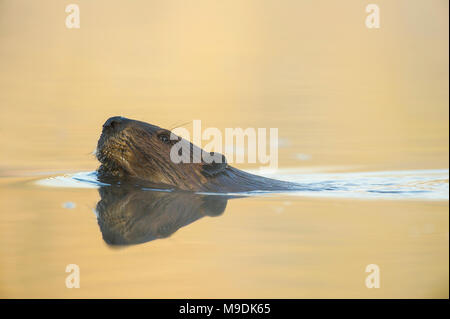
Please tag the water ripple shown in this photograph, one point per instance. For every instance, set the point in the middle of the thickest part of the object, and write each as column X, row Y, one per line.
column 411, row 184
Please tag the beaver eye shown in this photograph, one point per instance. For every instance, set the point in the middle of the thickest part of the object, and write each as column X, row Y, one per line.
column 164, row 138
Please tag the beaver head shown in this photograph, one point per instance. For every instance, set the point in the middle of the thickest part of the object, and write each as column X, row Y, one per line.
column 129, row 149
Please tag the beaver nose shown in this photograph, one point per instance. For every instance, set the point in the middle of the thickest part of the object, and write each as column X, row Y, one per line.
column 114, row 123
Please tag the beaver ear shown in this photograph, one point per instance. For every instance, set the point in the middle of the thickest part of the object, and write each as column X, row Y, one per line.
column 214, row 163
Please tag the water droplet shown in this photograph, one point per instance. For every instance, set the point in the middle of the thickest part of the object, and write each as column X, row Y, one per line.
column 69, row 205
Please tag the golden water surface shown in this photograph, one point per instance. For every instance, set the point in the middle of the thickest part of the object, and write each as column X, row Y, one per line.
column 349, row 97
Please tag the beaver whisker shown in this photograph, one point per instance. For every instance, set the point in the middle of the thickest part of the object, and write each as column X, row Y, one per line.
column 180, row 125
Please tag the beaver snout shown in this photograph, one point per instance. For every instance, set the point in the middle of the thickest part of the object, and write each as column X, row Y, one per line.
column 117, row 124
column 114, row 123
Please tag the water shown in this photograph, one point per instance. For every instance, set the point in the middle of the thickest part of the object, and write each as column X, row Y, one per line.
column 362, row 118
column 167, row 244
column 400, row 185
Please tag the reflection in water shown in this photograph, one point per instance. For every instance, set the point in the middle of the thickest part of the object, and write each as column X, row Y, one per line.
column 128, row 215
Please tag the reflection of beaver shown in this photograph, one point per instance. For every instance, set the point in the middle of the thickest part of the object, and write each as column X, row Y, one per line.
column 128, row 215
column 139, row 152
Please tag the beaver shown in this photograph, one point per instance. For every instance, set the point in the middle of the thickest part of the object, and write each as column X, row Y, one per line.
column 140, row 153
